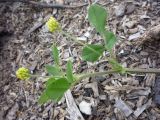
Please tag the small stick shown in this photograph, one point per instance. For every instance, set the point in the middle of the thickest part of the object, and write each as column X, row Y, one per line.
column 36, row 26
column 45, row 5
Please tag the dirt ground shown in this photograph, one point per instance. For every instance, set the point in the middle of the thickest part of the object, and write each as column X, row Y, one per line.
column 113, row 97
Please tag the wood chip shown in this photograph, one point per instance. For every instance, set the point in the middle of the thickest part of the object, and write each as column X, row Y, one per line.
column 124, row 87
column 139, row 110
column 94, row 87
column 120, row 104
column 150, row 80
column 72, row 107
column 134, row 36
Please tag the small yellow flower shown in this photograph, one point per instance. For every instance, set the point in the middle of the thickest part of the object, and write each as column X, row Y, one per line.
column 53, row 24
column 23, row 73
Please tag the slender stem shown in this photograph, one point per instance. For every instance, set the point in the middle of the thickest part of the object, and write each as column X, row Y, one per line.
column 97, row 74
column 82, row 76
column 129, row 70
column 40, row 76
column 137, row 70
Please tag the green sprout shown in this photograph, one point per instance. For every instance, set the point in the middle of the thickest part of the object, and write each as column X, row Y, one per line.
column 60, row 81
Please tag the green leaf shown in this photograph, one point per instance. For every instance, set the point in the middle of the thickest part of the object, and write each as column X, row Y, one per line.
column 91, row 53
column 56, row 89
column 55, row 53
column 97, row 17
column 53, row 70
column 116, row 66
column 59, row 98
column 50, row 81
column 110, row 39
column 69, row 73
column 43, row 98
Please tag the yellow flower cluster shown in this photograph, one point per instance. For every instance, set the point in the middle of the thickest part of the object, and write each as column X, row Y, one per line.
column 53, row 24
column 23, row 73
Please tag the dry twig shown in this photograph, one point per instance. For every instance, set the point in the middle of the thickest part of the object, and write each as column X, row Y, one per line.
column 45, row 5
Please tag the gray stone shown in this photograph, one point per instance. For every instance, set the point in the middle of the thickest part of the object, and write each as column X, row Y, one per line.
column 120, row 10
column 130, row 8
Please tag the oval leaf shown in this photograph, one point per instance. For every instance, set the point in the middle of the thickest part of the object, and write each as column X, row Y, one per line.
column 91, row 53
column 69, row 73
column 56, row 89
column 53, row 70
column 55, row 53
column 97, row 17
column 43, row 98
column 110, row 39
column 50, row 81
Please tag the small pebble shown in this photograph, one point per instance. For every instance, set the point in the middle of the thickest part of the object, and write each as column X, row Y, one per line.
column 87, row 34
column 102, row 97
column 82, row 38
column 85, row 107
column 133, row 31
column 130, row 8
column 134, row 36
column 130, row 24
column 120, row 10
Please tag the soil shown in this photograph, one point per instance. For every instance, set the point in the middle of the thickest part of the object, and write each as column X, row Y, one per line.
column 18, row 99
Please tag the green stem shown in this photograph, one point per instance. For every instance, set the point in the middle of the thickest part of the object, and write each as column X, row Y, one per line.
column 97, row 74
column 138, row 70
column 40, row 76
column 128, row 70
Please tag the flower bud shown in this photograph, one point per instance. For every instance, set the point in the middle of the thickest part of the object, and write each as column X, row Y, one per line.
column 53, row 24
column 23, row 73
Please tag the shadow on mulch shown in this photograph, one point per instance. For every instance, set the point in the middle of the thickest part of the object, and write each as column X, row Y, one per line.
column 153, row 50
column 5, row 61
